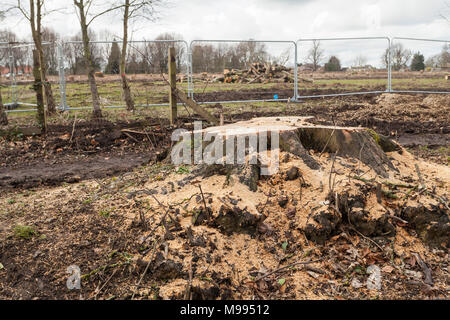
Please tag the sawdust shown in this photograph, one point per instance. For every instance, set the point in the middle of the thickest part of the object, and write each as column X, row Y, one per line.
column 110, row 228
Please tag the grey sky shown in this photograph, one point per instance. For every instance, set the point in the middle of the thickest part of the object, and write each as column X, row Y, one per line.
column 276, row 20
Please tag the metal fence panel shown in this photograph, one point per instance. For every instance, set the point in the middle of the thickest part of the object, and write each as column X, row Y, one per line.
column 20, row 96
column 240, row 54
column 362, row 62
column 69, row 85
column 429, row 81
column 146, row 70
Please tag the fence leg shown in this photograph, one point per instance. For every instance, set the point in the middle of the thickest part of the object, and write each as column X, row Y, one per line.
column 62, row 79
column 173, row 84
column 390, row 66
column 12, row 74
column 296, row 75
column 191, row 74
column 39, row 89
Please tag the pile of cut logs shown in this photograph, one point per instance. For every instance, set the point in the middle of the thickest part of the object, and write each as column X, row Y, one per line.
column 257, row 73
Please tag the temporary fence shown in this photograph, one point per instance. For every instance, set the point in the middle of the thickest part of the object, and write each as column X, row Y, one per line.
column 147, row 71
column 18, row 58
column 227, row 51
column 369, row 48
column 437, row 50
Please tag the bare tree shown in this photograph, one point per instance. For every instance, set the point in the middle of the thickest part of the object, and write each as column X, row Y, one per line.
column 446, row 13
column 3, row 117
column 133, row 9
column 315, row 55
column 86, row 16
column 400, row 57
column 283, row 59
column 360, row 61
column 34, row 12
column 160, row 54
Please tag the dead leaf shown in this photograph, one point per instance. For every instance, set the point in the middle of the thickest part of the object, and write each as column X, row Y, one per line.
column 387, row 269
column 411, row 261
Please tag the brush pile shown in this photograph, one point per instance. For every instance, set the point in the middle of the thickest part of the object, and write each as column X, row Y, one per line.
column 257, row 73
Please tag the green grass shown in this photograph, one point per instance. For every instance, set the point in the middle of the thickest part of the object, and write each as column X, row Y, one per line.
column 78, row 94
column 106, row 213
column 24, row 232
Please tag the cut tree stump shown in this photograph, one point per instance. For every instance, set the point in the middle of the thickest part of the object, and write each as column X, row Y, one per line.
column 298, row 137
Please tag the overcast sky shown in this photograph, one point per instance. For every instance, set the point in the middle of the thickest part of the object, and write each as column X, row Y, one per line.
column 274, row 20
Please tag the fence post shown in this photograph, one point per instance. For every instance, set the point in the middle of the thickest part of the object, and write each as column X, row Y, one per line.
column 12, row 75
column 296, row 74
column 173, row 84
column 390, row 66
column 39, row 89
column 62, row 78
column 191, row 71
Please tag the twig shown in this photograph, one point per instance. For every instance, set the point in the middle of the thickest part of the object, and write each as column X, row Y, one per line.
column 187, row 295
column 286, row 267
column 419, row 174
column 329, row 140
column 426, row 270
column 204, row 201
column 398, row 219
column 146, row 269
column 331, row 187
column 73, row 128
column 106, row 282
column 367, row 238
column 131, row 137
column 148, row 137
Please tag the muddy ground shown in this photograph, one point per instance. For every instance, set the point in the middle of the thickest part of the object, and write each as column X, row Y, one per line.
column 99, row 149
column 69, row 198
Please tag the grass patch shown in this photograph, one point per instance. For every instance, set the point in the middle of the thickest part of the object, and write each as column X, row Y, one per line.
column 105, row 213
column 24, row 232
column 183, row 170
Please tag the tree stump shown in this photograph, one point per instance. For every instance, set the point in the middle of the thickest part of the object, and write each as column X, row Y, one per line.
column 294, row 135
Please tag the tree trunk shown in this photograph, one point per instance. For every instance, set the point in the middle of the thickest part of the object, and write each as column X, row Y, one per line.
column 38, row 88
column 36, row 26
column 125, row 86
column 127, row 93
column 51, row 106
column 3, row 117
column 97, row 113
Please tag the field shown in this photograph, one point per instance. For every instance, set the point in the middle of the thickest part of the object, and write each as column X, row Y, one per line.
column 101, row 195
column 152, row 89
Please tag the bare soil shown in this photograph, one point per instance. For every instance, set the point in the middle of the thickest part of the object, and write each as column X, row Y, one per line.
column 99, row 149
column 81, row 195
column 154, row 234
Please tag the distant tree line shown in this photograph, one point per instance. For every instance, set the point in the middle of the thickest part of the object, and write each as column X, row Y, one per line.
column 401, row 58
column 142, row 58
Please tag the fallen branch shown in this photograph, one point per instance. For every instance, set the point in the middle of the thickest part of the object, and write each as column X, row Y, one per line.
column 286, row 267
column 426, row 270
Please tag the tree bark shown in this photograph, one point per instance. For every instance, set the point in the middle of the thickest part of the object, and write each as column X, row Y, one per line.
column 36, row 25
column 3, row 117
column 125, row 86
column 38, row 88
column 97, row 113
